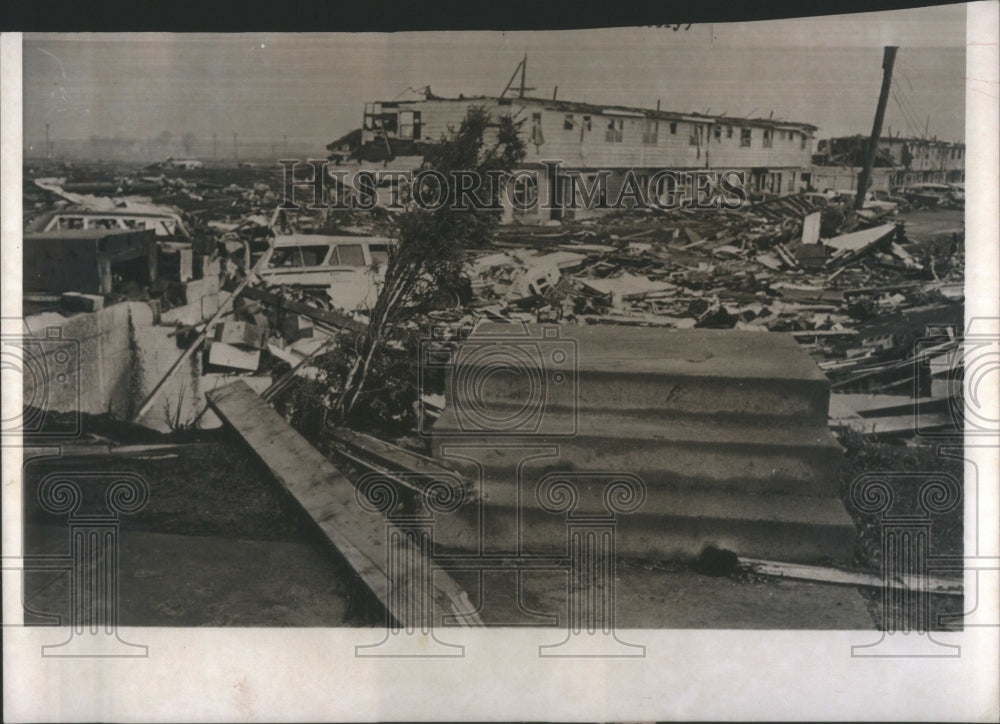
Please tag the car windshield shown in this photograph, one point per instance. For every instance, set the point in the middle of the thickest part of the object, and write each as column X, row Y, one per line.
column 296, row 256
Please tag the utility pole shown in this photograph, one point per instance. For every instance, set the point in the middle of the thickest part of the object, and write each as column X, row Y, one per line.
column 888, row 60
column 213, row 147
column 521, row 68
column 48, row 144
column 236, row 149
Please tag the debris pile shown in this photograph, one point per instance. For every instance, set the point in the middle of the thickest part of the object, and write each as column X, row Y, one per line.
column 856, row 292
column 852, row 287
column 780, row 266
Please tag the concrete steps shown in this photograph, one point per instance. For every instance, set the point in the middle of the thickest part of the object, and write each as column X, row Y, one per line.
column 642, row 371
column 671, row 524
column 678, row 452
column 726, row 430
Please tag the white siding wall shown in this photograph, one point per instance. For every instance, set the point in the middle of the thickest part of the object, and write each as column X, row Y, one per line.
column 591, row 149
column 578, row 148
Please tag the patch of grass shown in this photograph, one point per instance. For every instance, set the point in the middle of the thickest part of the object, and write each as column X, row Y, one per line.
column 212, row 490
column 866, row 456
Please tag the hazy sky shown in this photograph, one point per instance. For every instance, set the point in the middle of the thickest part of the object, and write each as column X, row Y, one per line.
column 312, row 87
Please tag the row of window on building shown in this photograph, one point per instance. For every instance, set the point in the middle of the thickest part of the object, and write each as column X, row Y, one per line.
column 615, row 131
column 407, row 125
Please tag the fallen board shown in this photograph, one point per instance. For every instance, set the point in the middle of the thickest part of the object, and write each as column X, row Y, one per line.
column 944, row 586
column 391, row 457
column 328, row 497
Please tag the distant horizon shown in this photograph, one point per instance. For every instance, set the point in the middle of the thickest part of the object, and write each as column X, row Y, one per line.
column 825, row 71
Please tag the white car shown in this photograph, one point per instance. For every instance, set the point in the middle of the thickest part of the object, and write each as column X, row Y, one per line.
column 350, row 268
column 875, row 199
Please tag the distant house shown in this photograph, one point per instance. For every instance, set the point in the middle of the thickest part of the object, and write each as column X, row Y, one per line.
column 898, row 162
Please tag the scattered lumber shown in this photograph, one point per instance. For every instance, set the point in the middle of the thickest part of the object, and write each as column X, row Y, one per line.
column 944, row 586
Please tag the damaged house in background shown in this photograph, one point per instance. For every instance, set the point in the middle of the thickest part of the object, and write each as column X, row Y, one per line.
column 923, row 170
column 588, row 138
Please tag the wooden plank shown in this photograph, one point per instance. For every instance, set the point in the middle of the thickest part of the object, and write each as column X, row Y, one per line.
column 83, row 450
column 366, row 540
column 381, row 455
column 945, row 586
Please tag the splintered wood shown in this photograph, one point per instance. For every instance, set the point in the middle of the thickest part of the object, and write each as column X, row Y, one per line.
column 367, row 541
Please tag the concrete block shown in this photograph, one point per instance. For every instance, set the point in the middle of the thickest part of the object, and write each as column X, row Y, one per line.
column 670, row 525
column 719, row 372
column 210, row 283
column 672, row 452
column 221, row 354
column 241, row 334
column 194, row 290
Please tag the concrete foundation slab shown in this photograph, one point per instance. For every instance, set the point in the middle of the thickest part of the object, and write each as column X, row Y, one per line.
column 725, row 432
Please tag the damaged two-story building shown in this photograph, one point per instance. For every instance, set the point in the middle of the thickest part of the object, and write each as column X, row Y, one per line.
column 899, row 161
column 589, row 140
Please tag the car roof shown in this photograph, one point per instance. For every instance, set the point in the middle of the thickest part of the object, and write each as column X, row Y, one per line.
column 313, row 239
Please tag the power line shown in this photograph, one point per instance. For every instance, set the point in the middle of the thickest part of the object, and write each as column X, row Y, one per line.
column 907, row 116
column 904, row 99
column 910, row 112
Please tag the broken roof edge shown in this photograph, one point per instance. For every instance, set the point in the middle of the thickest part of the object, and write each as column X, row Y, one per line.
column 609, row 109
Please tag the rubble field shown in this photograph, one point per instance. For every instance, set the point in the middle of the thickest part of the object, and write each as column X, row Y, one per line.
column 875, row 297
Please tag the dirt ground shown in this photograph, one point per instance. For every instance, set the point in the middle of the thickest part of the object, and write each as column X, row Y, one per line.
column 183, row 580
column 924, row 225
column 218, row 545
